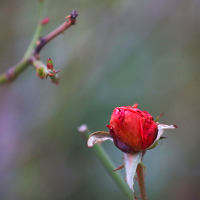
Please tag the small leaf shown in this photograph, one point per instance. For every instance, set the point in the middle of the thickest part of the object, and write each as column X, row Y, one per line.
column 99, row 136
column 131, row 162
column 156, row 120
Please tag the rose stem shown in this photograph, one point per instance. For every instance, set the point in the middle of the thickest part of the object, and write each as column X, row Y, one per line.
column 108, row 165
column 140, row 177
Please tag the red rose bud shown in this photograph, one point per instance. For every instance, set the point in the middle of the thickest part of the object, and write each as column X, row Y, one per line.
column 132, row 129
column 49, row 64
column 45, row 21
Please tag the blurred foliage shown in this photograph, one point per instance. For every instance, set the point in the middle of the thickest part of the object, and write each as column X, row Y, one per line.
column 119, row 53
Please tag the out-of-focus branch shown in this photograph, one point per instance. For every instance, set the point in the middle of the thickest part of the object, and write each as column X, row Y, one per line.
column 36, row 45
column 37, row 33
column 12, row 73
column 44, row 40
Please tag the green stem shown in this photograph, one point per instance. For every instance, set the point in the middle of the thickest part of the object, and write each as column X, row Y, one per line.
column 3, row 78
column 109, row 166
column 37, row 33
column 141, row 183
column 12, row 73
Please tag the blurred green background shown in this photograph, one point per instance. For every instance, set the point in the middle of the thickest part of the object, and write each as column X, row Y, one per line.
column 120, row 52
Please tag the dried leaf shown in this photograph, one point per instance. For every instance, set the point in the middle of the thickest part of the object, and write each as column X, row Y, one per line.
column 131, row 162
column 99, row 136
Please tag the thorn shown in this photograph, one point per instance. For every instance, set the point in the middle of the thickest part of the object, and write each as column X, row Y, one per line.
column 120, row 167
column 135, row 196
column 135, row 105
column 57, row 71
column 175, row 126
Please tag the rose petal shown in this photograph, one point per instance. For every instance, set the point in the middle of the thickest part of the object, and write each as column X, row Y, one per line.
column 161, row 128
column 98, row 136
column 131, row 162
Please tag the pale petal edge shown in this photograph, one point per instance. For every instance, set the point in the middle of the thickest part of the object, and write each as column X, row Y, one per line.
column 131, row 162
column 161, row 128
column 99, row 136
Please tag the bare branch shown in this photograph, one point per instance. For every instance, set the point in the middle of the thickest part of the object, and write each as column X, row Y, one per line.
column 44, row 40
column 12, row 73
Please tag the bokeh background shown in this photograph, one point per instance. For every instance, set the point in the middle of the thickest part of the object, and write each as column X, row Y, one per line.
column 120, row 52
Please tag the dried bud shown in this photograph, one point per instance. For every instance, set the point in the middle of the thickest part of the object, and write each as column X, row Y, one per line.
column 45, row 21
column 74, row 14
column 132, row 129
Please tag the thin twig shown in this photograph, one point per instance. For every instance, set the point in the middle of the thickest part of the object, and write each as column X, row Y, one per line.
column 44, row 40
column 140, row 178
column 33, row 49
